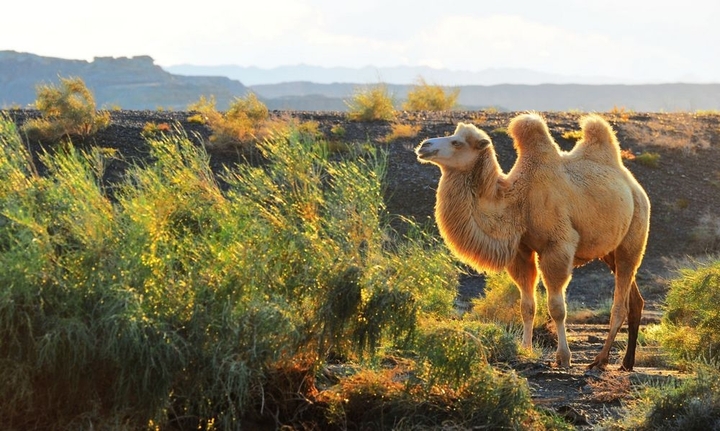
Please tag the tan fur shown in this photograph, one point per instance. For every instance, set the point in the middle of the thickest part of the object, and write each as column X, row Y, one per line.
column 553, row 210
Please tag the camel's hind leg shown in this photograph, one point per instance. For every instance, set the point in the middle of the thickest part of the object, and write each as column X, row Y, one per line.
column 634, row 314
column 523, row 271
column 627, row 303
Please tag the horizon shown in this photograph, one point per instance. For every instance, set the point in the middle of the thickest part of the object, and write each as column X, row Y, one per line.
column 372, row 74
column 638, row 41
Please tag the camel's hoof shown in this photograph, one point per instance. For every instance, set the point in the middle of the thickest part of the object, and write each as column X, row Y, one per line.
column 559, row 364
column 597, row 365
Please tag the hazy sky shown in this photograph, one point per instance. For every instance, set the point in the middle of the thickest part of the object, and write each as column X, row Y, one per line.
column 634, row 40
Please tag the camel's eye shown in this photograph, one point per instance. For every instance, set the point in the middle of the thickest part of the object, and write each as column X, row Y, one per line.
column 456, row 144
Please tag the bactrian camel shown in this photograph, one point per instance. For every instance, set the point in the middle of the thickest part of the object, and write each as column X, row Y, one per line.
column 553, row 211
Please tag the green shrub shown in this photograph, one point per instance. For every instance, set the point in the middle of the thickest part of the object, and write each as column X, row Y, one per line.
column 388, row 399
column 688, row 404
column 246, row 122
column 175, row 303
column 500, row 303
column 371, row 104
column 648, row 159
column 68, row 110
column 691, row 318
column 426, row 97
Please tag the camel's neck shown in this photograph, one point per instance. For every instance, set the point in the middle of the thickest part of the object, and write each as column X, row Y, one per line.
column 476, row 217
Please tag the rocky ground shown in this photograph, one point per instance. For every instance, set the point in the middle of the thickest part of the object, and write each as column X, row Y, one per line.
column 683, row 186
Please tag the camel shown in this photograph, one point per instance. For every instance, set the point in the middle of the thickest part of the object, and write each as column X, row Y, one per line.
column 553, row 211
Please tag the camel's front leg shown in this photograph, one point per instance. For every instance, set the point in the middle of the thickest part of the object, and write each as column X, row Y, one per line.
column 523, row 271
column 556, row 267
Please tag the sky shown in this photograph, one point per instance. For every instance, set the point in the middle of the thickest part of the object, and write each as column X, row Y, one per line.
column 638, row 41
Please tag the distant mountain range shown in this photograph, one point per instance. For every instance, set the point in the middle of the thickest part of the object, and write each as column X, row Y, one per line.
column 137, row 83
column 250, row 75
column 129, row 83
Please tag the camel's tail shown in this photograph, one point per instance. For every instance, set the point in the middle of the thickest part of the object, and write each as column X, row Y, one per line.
column 599, row 142
column 531, row 135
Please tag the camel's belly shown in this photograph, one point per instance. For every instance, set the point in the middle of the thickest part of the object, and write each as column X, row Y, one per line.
column 596, row 226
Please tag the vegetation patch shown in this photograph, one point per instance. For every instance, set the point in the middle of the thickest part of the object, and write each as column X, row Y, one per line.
column 246, row 122
column 371, row 104
column 649, row 159
column 175, row 303
column 68, row 111
column 402, row 131
column 426, row 97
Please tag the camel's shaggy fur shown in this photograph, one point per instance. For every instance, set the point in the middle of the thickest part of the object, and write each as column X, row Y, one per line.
column 552, row 211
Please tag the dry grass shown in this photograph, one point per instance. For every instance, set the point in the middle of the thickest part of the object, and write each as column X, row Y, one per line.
column 685, row 131
column 573, row 135
column 402, row 131
column 707, row 233
column 611, row 386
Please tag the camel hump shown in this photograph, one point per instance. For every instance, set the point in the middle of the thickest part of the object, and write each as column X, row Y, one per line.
column 599, row 141
column 531, row 135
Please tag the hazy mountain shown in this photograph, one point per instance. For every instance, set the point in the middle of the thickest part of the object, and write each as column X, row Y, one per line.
column 137, row 83
column 130, row 83
column 544, row 97
column 392, row 75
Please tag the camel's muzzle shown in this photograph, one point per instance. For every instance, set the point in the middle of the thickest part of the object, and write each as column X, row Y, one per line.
column 424, row 151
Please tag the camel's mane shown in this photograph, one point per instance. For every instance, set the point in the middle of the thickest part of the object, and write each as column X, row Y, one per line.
column 472, row 216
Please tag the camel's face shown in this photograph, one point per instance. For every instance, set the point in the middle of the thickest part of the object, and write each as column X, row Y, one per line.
column 458, row 151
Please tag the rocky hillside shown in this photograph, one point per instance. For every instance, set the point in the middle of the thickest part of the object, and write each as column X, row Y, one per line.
column 135, row 82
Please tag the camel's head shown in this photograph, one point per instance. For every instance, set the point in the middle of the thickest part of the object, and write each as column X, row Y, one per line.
column 457, row 151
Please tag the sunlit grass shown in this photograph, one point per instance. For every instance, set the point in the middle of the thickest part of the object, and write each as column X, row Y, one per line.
column 169, row 300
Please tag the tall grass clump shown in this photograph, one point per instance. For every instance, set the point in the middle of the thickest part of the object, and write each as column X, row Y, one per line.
column 691, row 403
column 426, row 97
column 371, row 104
column 68, row 111
column 500, row 303
column 75, row 338
column 691, row 319
column 175, row 303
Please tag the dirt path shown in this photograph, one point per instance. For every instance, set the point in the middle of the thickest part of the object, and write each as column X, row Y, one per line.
column 587, row 397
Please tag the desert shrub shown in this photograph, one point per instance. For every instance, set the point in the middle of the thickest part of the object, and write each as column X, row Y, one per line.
column 371, row 104
column 246, row 122
column 691, row 318
column 401, row 131
column 337, row 131
column 153, row 130
column 648, row 159
column 573, row 135
column 500, row 131
column 68, row 110
column 453, row 349
column 689, row 404
column 385, row 399
column 427, row 97
column 621, row 113
column 175, row 303
column 500, row 303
